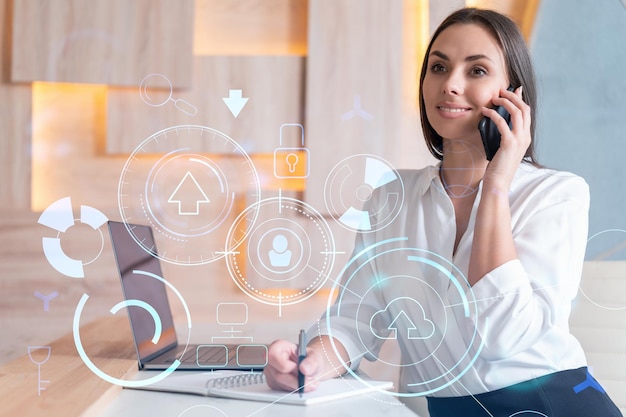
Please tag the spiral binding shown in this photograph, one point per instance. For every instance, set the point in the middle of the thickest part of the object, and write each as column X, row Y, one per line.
column 235, row 381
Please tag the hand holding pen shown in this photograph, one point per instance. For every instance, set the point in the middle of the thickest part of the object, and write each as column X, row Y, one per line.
column 301, row 356
column 291, row 366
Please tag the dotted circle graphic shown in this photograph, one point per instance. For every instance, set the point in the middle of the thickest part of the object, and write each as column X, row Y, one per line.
column 185, row 182
column 304, row 275
column 371, row 271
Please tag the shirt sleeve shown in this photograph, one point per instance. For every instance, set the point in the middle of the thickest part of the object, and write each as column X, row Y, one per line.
column 523, row 299
column 343, row 319
column 348, row 320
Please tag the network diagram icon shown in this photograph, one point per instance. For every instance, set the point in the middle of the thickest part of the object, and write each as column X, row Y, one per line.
column 59, row 216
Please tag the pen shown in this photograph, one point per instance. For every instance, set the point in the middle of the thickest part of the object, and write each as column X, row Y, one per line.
column 301, row 356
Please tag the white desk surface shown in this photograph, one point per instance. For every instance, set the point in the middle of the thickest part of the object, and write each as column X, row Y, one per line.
column 139, row 403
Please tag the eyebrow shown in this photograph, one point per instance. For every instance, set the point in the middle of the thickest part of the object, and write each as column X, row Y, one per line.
column 467, row 59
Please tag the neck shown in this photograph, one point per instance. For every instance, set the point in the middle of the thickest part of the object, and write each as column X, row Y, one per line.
column 462, row 169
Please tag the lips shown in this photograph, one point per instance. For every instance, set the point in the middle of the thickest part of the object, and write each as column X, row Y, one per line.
column 452, row 108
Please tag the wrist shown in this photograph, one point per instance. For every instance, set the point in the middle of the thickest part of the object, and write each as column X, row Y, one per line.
column 497, row 187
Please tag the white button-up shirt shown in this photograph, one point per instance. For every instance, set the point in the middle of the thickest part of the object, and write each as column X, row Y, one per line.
column 406, row 284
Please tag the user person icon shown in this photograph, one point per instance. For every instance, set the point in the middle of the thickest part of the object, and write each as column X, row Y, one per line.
column 280, row 256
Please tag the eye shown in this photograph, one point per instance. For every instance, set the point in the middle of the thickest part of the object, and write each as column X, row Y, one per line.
column 478, row 71
column 437, row 67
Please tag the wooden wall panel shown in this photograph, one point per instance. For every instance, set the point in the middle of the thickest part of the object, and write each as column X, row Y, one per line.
column 361, row 96
column 250, row 27
column 15, row 113
column 522, row 12
column 273, row 84
column 113, row 42
column 68, row 124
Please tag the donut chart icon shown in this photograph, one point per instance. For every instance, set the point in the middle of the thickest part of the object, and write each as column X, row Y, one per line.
column 59, row 216
column 353, row 182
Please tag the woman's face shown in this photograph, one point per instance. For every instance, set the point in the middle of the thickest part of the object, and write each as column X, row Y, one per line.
column 466, row 70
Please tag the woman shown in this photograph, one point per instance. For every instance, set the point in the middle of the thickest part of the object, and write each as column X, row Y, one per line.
column 515, row 233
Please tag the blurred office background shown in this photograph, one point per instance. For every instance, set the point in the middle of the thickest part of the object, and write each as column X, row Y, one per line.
column 74, row 107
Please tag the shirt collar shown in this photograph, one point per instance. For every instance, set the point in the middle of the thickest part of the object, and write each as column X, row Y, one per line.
column 431, row 177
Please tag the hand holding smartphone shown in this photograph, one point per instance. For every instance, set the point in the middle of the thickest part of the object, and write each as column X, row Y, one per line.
column 489, row 131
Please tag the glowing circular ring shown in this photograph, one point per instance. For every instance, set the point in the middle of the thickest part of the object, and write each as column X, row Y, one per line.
column 116, row 381
column 325, row 241
column 580, row 287
column 344, row 285
column 202, row 406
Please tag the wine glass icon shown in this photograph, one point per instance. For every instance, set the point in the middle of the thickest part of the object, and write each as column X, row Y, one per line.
column 39, row 355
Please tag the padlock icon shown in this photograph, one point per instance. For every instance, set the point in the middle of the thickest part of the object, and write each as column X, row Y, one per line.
column 292, row 162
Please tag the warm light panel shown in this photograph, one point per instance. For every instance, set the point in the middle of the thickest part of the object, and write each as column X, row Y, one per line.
column 523, row 12
column 67, row 122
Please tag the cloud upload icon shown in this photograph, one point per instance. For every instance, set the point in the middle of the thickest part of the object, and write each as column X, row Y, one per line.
column 417, row 327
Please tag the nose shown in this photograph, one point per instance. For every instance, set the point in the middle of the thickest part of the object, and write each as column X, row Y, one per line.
column 453, row 85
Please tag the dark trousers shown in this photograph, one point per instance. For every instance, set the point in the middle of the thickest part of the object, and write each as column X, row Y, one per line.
column 571, row 393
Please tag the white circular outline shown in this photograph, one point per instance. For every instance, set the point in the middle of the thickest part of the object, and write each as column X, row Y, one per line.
column 314, row 215
column 580, row 286
column 528, row 411
column 116, row 381
column 295, row 264
column 221, row 177
column 203, row 406
column 143, row 93
column 101, row 242
column 331, row 209
column 256, row 191
column 344, row 285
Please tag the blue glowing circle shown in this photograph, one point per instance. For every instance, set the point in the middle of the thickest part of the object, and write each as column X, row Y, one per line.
column 117, row 381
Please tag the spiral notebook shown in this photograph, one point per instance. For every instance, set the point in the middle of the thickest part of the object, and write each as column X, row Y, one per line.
column 252, row 386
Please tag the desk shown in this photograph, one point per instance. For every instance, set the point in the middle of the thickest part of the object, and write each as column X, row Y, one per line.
column 148, row 404
column 74, row 390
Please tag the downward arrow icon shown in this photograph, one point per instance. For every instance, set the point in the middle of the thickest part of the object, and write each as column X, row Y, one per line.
column 235, row 101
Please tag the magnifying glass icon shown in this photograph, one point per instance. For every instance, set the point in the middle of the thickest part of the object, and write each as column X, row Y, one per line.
column 156, row 90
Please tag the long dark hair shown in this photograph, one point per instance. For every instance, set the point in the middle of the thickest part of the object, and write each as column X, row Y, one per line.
column 518, row 66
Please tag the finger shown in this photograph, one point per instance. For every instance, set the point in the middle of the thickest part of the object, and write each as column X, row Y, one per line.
column 518, row 109
column 289, row 381
column 311, row 369
column 315, row 368
column 282, row 356
column 498, row 120
column 310, row 366
column 280, row 381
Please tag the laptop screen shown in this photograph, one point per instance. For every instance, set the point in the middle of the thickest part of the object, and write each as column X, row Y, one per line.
column 133, row 259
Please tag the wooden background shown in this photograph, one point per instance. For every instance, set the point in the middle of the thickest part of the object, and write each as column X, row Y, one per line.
column 71, row 113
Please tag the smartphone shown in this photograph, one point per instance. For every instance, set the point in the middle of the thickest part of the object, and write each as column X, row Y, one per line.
column 489, row 131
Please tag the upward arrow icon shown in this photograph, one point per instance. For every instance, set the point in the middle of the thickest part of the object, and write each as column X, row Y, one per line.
column 192, row 203
column 235, row 101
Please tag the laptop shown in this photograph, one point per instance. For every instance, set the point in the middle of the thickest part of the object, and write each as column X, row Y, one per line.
column 157, row 347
